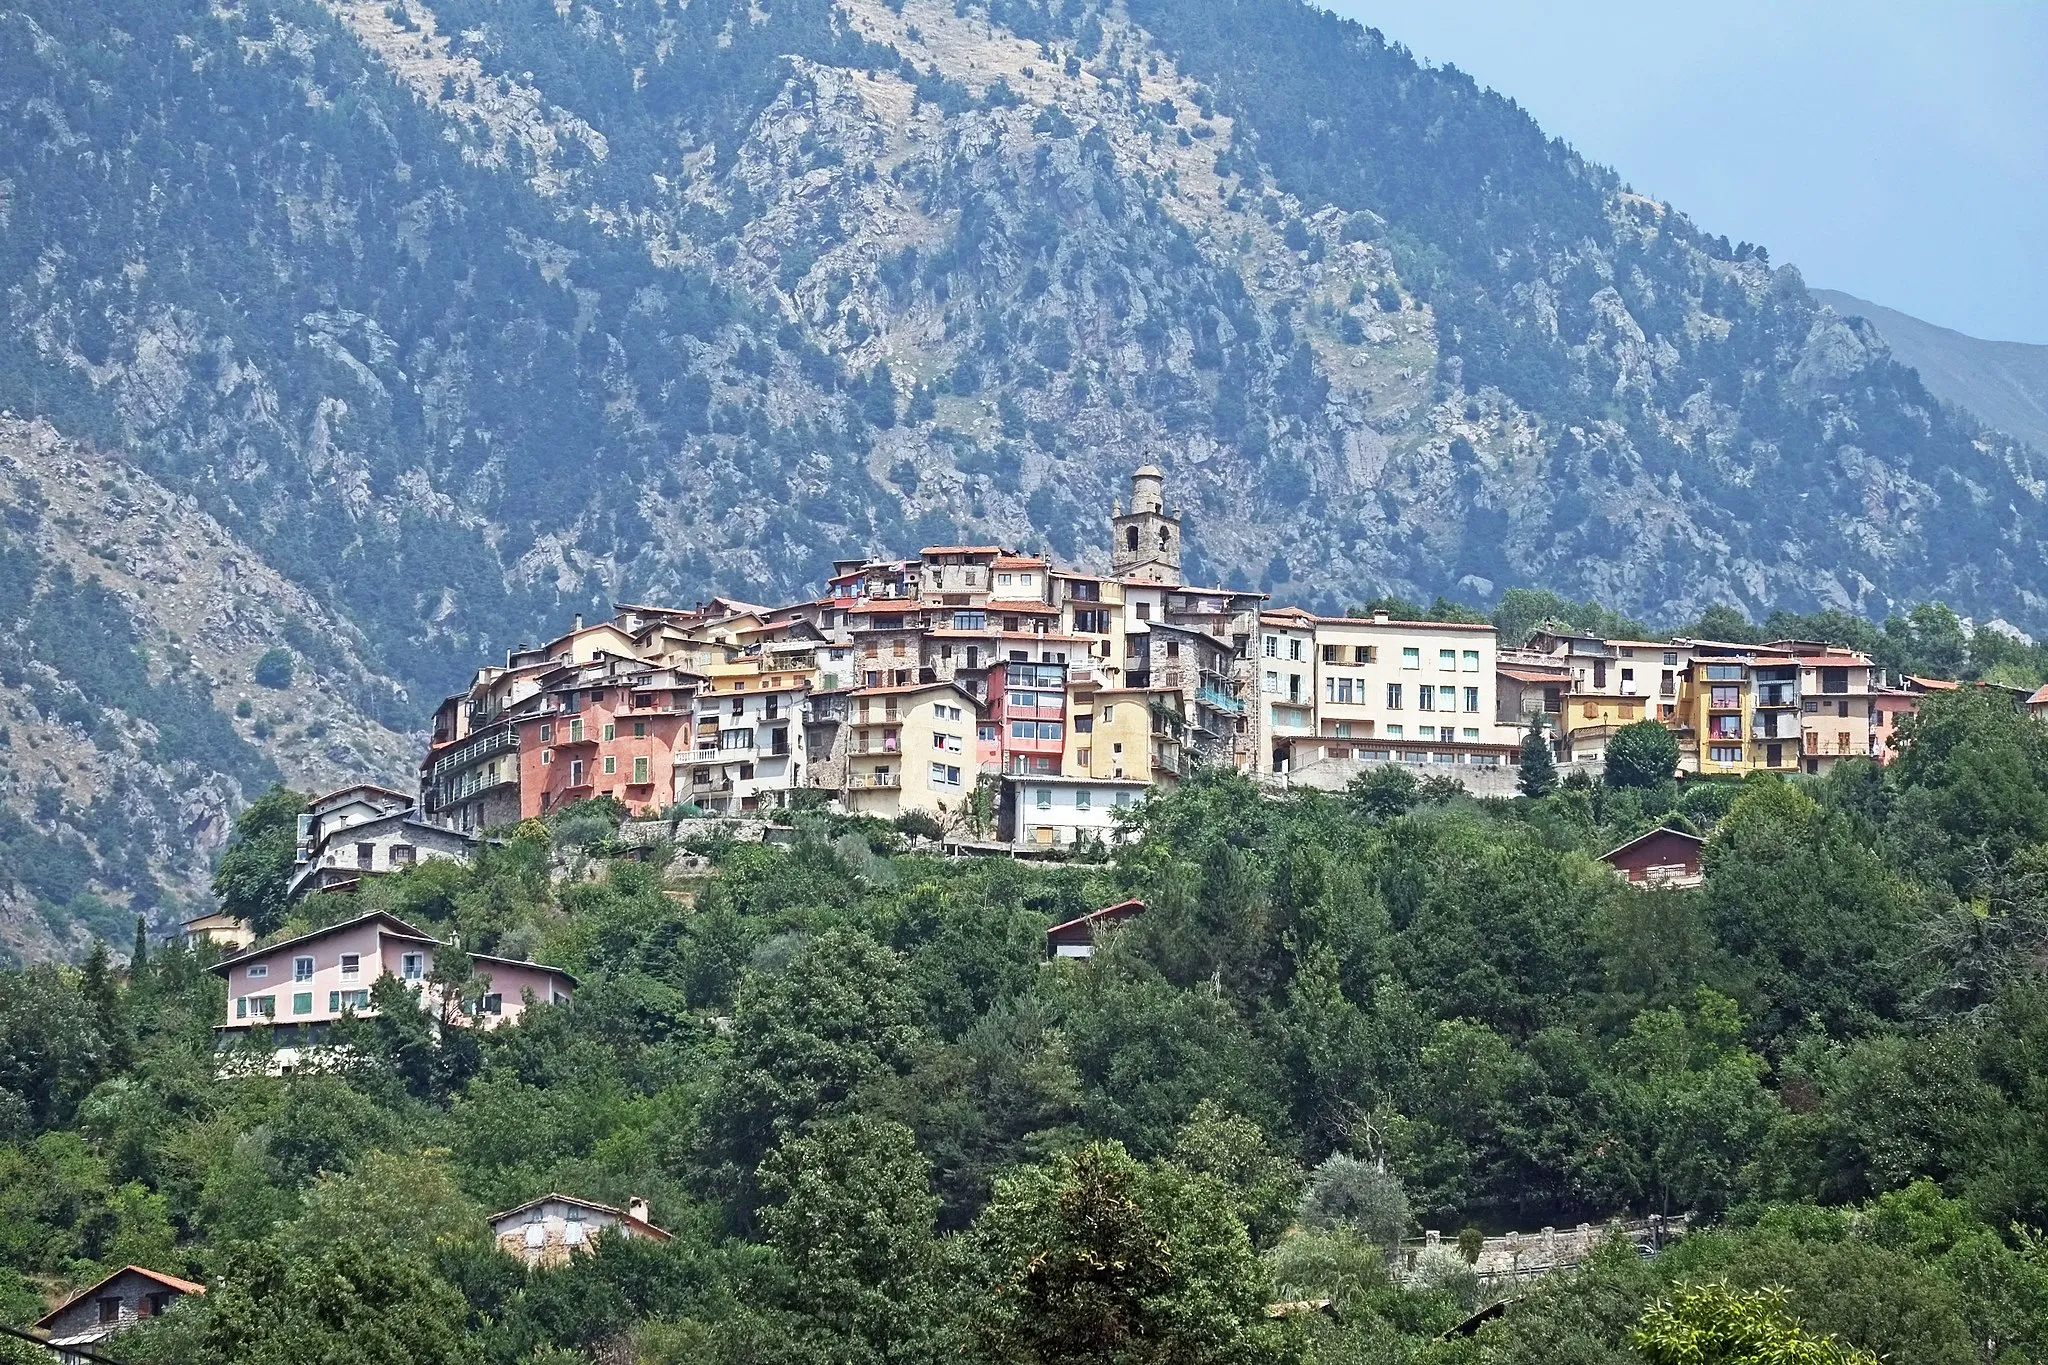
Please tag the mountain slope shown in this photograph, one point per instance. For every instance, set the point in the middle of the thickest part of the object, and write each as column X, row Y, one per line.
column 2003, row 382
column 459, row 315
column 133, row 626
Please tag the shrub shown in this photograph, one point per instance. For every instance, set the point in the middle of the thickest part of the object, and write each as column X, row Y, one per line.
column 274, row 669
column 1345, row 1192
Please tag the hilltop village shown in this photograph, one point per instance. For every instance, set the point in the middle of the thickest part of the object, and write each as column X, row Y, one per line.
column 1014, row 699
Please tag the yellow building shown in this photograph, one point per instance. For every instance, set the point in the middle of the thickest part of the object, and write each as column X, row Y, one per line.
column 1110, row 734
column 911, row 747
column 1745, row 709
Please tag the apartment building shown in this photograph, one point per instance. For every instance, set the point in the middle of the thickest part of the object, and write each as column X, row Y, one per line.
column 1380, row 691
column 1042, row 812
column 1839, row 715
column 911, row 747
column 748, row 752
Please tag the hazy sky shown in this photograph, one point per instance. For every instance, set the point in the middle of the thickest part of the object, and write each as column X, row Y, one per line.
column 1897, row 151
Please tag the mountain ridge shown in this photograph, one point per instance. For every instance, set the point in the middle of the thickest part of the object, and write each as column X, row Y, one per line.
column 462, row 317
column 2003, row 383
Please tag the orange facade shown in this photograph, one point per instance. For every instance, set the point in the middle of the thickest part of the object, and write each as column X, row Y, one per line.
column 603, row 741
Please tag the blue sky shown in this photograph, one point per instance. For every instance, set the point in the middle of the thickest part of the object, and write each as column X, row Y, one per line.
column 1897, row 151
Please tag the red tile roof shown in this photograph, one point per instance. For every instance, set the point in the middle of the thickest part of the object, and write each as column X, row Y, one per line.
column 167, row 1281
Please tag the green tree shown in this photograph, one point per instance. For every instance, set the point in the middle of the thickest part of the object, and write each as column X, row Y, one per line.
column 274, row 669
column 1538, row 776
column 1972, row 777
column 1098, row 1259
column 256, row 868
column 803, row 1039
column 1713, row 1324
column 849, row 1209
column 1644, row 754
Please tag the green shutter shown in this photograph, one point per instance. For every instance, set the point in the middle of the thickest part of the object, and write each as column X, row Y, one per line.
column 302, row 1002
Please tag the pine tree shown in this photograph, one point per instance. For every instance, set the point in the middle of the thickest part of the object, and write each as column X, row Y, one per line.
column 138, row 957
column 101, row 995
column 1539, row 768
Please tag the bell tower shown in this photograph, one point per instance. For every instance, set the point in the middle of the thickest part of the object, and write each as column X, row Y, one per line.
column 1144, row 543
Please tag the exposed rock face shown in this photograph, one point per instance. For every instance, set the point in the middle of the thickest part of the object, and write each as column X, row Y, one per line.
column 125, row 752
column 459, row 316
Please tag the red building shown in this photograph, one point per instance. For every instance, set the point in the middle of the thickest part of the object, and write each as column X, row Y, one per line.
column 1027, row 703
column 615, row 738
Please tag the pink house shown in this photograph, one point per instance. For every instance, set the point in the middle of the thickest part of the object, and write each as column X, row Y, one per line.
column 302, row 985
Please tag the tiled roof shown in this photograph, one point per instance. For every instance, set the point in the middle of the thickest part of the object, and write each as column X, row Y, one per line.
column 167, row 1281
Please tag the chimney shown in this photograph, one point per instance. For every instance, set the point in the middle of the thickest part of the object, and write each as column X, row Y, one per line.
column 636, row 1207
column 579, row 620
column 1380, row 618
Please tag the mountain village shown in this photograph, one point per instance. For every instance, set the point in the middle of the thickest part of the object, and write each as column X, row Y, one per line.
column 1020, row 705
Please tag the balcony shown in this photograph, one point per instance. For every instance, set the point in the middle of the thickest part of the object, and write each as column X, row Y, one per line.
column 1777, row 695
column 463, row 786
column 1220, row 700
column 474, row 751
column 877, row 781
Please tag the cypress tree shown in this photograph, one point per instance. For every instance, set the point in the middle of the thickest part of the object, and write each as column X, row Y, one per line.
column 1539, row 767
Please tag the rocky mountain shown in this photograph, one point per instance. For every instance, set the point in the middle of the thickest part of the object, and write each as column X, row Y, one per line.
column 2003, row 383
column 459, row 315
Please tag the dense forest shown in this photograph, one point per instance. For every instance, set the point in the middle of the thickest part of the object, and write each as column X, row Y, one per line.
column 883, row 1128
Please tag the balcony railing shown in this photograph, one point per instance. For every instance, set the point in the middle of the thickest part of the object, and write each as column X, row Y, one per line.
column 474, row 751
column 878, row 780
column 1220, row 700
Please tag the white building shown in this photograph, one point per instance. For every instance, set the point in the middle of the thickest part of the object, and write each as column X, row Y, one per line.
column 1042, row 811
column 363, row 831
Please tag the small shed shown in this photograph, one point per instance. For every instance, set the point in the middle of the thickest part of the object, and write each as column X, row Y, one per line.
column 547, row 1231
column 130, row 1295
column 1076, row 938
column 1658, row 857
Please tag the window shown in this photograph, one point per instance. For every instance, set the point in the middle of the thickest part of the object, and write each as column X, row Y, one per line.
column 1471, row 699
column 739, row 705
column 640, row 771
column 987, row 734
column 1045, row 798
column 1365, row 654
column 639, row 729
column 1081, row 756
column 1471, row 661
column 258, row 972
column 1272, row 646
column 1329, row 654
column 1724, row 672
column 970, row 620
column 1294, row 651
column 1272, row 682
column 1108, row 712
column 108, row 1309
column 1395, row 732
column 1411, row 657
column 611, row 765
column 412, row 966
column 366, row 855
column 576, row 730
column 1173, row 649
column 302, row 969
column 575, row 772
column 493, row 1003
column 263, row 1006
column 1724, row 754
column 611, row 731
column 1144, row 611
column 1023, row 729
column 302, row 1002
column 402, row 855
column 1425, row 697
column 1084, row 724
column 547, row 732
column 1425, row 732
column 1084, row 800
column 1393, row 696
column 1049, row 729
column 938, row 775
column 1471, row 732
column 351, row 966
column 1123, row 798
column 1724, row 698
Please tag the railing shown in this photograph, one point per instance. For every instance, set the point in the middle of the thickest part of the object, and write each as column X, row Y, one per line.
column 1221, row 701
column 474, row 750
column 473, row 783
column 1777, row 694
column 883, row 780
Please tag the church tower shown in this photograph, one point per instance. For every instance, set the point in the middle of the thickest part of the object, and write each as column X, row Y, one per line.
column 1144, row 543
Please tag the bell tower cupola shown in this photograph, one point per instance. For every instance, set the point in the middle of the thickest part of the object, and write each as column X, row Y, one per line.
column 1144, row 543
